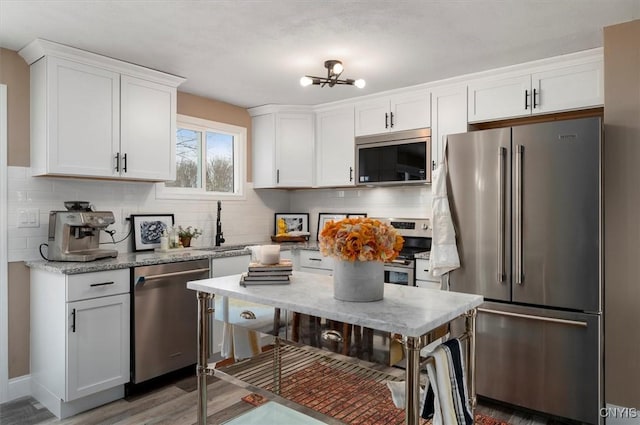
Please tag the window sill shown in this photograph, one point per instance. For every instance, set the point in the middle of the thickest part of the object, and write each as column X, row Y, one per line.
column 182, row 194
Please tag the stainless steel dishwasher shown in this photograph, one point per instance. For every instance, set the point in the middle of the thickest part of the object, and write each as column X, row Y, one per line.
column 164, row 328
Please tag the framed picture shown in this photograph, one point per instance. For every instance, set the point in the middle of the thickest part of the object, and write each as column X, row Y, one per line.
column 147, row 230
column 323, row 218
column 293, row 222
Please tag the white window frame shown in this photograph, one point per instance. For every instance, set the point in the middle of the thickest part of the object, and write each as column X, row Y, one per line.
column 239, row 161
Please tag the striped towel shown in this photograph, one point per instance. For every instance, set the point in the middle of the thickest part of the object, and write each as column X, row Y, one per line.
column 446, row 399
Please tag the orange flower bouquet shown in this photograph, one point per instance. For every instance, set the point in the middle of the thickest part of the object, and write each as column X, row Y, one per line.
column 360, row 239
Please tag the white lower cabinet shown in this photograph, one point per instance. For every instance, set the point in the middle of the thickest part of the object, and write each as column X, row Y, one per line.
column 96, row 347
column 424, row 279
column 79, row 339
column 313, row 261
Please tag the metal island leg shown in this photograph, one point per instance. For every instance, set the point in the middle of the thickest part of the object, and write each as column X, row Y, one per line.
column 412, row 382
column 412, row 347
column 202, row 369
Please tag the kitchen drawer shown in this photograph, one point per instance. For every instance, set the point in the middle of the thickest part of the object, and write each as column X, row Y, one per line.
column 97, row 284
column 315, row 260
column 431, row 284
column 423, row 272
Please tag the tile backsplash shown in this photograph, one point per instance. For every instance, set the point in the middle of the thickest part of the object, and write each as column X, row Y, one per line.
column 243, row 221
column 398, row 201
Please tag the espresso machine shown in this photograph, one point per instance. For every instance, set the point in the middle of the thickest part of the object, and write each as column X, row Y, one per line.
column 74, row 235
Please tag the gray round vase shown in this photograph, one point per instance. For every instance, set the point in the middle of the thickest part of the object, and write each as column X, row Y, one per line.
column 359, row 281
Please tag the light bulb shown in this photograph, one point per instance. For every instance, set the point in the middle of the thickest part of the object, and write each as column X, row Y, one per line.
column 338, row 68
column 305, row 81
column 360, row 83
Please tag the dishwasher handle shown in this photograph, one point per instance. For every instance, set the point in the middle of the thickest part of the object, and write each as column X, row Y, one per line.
column 142, row 279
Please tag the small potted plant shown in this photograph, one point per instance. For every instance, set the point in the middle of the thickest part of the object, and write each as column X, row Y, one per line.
column 187, row 233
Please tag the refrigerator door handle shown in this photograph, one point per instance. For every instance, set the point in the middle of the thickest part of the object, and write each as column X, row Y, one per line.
column 518, row 215
column 502, row 153
column 532, row 317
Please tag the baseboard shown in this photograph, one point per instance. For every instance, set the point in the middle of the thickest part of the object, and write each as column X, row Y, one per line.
column 19, row 387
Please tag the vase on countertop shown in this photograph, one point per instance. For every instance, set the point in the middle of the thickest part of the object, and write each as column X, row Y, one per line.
column 185, row 241
column 358, row 281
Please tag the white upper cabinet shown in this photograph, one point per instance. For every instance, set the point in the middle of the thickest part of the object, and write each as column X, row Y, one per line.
column 75, row 118
column 93, row 116
column 398, row 112
column 568, row 88
column 148, row 129
column 562, row 86
column 282, row 145
column 448, row 116
column 335, row 150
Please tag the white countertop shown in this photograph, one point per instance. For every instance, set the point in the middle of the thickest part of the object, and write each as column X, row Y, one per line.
column 407, row 310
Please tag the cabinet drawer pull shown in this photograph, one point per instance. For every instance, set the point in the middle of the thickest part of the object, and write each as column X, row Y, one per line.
column 101, row 284
column 124, row 163
column 526, row 99
column 350, row 174
column 332, row 335
column 73, row 320
column 315, row 259
column 118, row 162
column 535, row 95
column 386, row 120
column 248, row 315
column 391, row 120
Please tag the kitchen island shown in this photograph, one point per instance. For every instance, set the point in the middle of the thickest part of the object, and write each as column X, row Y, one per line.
column 409, row 311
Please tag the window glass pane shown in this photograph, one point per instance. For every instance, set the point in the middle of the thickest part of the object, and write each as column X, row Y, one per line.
column 188, row 159
column 219, row 162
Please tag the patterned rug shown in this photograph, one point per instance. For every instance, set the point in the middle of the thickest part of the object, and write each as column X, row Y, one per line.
column 345, row 396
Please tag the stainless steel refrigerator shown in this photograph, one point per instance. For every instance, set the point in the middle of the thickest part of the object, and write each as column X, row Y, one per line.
column 526, row 205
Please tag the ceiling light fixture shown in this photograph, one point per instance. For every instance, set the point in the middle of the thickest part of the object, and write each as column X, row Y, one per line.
column 334, row 69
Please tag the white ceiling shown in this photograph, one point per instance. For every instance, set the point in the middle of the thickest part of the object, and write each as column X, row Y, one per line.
column 251, row 53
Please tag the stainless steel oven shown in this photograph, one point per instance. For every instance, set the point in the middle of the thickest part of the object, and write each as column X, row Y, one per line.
column 417, row 238
column 400, row 273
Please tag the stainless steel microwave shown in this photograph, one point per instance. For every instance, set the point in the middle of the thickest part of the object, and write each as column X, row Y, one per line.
column 403, row 157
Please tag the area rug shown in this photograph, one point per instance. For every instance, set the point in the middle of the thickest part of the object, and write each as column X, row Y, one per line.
column 345, row 396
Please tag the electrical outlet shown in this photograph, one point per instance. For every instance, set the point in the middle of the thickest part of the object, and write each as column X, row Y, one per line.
column 28, row 217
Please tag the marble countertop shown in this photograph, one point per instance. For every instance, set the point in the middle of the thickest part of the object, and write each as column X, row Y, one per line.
column 406, row 310
column 135, row 259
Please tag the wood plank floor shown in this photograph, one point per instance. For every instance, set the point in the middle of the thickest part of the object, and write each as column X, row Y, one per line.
column 175, row 404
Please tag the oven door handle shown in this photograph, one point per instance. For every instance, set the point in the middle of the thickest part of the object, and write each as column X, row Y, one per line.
column 401, row 269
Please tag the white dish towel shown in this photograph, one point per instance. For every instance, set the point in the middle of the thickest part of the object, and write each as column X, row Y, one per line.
column 444, row 251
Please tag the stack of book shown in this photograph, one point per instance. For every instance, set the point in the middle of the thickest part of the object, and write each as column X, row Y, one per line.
column 268, row 274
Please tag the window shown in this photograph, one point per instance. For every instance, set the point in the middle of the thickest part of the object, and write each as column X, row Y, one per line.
column 210, row 160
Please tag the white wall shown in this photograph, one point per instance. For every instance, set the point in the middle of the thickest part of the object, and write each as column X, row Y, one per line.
column 246, row 221
column 404, row 202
